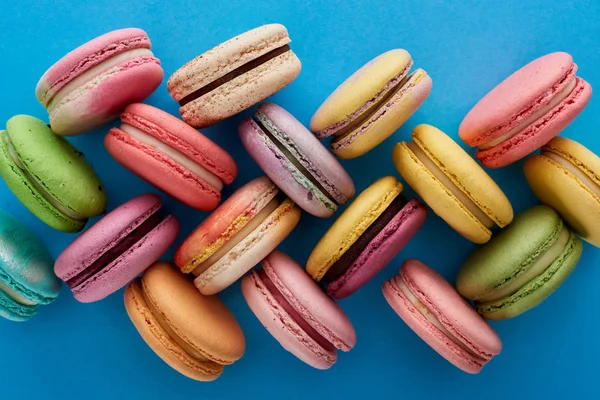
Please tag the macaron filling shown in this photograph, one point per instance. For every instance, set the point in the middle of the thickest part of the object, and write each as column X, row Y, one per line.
column 41, row 190
column 175, row 155
column 568, row 164
column 4, row 288
column 299, row 160
column 444, row 180
column 522, row 277
column 557, row 99
column 98, row 70
column 250, row 65
column 399, row 284
column 245, row 231
column 289, row 309
column 339, row 268
column 116, row 250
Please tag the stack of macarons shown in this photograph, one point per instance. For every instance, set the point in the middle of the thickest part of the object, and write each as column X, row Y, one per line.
column 175, row 307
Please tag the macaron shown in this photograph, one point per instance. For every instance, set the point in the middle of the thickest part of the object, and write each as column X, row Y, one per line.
column 433, row 309
column 117, row 248
column 296, row 312
column 234, row 75
column 237, row 235
column 48, row 175
column 194, row 334
column 452, row 183
column 566, row 177
column 365, row 237
column 171, row 155
column 371, row 104
column 92, row 84
column 525, row 110
column 521, row 266
column 27, row 280
column 295, row 160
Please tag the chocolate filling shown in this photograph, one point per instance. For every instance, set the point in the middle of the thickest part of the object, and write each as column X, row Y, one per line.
column 117, row 250
column 233, row 74
column 292, row 313
column 347, row 259
column 292, row 159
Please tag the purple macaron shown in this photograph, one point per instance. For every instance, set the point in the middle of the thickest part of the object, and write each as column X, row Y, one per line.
column 117, row 248
column 295, row 160
column 365, row 237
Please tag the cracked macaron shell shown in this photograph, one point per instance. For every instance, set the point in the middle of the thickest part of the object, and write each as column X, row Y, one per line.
column 205, row 324
column 359, row 215
column 309, row 301
column 243, row 91
column 464, row 172
column 519, row 96
column 324, row 171
column 573, row 190
column 55, row 165
column 162, row 171
column 509, row 255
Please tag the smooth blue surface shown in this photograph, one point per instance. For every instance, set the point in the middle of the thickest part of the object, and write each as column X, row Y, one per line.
column 86, row 351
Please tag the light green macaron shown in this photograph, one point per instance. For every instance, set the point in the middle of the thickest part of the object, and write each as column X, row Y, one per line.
column 521, row 266
column 48, row 175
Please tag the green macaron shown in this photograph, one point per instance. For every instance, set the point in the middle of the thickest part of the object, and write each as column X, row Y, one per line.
column 521, row 266
column 48, row 175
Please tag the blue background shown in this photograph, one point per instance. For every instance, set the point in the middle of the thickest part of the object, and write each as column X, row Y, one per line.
column 73, row 350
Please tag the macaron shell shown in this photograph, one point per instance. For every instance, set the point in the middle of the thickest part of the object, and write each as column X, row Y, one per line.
column 162, row 171
column 283, row 172
column 282, row 327
column 516, row 93
column 359, row 88
column 381, row 250
column 226, row 221
column 250, row 250
column 309, row 300
column 14, row 311
column 311, row 153
column 539, row 134
column 385, row 121
column 363, row 211
column 204, row 321
column 104, row 97
column 562, row 190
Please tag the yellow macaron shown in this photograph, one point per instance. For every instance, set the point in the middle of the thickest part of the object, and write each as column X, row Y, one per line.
column 452, row 183
column 566, row 177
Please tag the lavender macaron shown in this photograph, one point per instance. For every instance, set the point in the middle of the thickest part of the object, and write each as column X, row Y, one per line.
column 117, row 248
column 295, row 160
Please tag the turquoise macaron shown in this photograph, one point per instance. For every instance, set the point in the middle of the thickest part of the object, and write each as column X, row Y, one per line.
column 49, row 175
column 27, row 279
column 521, row 266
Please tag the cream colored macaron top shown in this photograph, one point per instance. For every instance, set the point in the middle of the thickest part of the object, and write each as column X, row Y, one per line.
column 351, row 224
column 452, row 183
column 566, row 177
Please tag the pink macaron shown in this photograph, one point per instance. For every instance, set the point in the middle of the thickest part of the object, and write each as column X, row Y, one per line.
column 171, row 155
column 95, row 82
column 117, row 248
column 526, row 110
column 435, row 311
column 296, row 311
column 295, row 160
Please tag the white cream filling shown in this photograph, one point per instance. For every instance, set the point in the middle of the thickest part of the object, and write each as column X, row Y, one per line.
column 95, row 71
column 533, row 117
column 175, row 155
column 565, row 163
column 39, row 187
column 238, row 237
column 538, row 267
column 430, row 317
column 16, row 296
column 447, row 182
